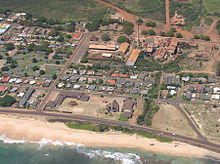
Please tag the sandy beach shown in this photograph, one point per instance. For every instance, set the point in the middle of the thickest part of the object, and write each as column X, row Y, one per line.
column 36, row 129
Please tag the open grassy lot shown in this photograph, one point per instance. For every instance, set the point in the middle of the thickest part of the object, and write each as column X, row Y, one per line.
column 147, row 8
column 169, row 119
column 212, row 6
column 57, row 9
column 207, row 118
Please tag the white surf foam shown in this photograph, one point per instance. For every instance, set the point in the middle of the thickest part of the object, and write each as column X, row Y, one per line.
column 125, row 158
column 4, row 139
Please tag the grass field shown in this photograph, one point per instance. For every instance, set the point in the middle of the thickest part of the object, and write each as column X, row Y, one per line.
column 169, row 119
column 212, row 6
column 57, row 9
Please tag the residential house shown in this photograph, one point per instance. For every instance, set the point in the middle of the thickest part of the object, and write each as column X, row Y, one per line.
column 114, row 106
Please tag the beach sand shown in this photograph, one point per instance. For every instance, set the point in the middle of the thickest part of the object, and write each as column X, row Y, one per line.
column 35, row 129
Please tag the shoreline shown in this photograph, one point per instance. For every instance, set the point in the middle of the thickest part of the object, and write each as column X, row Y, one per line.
column 34, row 129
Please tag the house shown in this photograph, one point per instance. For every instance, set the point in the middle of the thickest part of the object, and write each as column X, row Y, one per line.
column 115, row 75
column 192, row 88
column 215, row 97
column 133, row 57
column 82, row 79
column 142, row 76
column 121, row 81
column 74, row 79
column 6, row 79
column 76, row 86
column 111, row 82
column 92, row 87
column 124, row 75
column 216, row 90
column 172, row 92
column 114, row 106
column 144, row 93
column 94, row 38
column 205, row 97
column 134, row 91
column 60, row 85
column 186, row 79
column 127, row 108
column 110, row 89
column 200, row 88
column 26, row 97
column 129, row 84
column 133, row 77
column 137, row 84
column 171, row 87
column 101, row 88
column 212, row 80
column 13, row 90
column 171, row 80
column 164, row 94
column 68, row 85
column 2, row 89
column 188, row 96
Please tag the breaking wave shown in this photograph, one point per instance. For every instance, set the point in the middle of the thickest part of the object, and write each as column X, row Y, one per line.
column 125, row 158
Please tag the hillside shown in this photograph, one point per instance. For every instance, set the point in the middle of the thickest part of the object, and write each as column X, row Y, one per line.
column 57, row 9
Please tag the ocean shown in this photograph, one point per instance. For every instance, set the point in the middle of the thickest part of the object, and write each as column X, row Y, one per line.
column 48, row 152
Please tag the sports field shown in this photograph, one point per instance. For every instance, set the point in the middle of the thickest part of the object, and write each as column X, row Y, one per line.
column 57, row 9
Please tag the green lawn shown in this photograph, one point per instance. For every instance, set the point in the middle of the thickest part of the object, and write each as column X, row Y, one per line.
column 57, row 9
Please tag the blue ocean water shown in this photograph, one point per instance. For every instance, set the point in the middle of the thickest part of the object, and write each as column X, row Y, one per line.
column 48, row 152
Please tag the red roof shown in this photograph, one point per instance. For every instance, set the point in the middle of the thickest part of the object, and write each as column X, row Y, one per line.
column 2, row 89
column 6, row 79
column 114, row 75
column 111, row 82
column 125, row 75
column 39, row 83
column 77, row 36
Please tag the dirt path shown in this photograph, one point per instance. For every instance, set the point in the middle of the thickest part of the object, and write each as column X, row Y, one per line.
column 168, row 12
column 124, row 14
column 212, row 27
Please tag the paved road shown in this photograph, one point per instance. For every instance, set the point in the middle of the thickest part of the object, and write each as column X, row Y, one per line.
column 76, row 57
column 193, row 141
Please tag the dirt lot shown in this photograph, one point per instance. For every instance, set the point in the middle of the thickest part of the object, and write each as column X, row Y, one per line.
column 207, row 118
column 171, row 120
column 96, row 106
column 2, row 62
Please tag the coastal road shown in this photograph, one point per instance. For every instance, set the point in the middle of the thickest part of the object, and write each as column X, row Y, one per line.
column 196, row 142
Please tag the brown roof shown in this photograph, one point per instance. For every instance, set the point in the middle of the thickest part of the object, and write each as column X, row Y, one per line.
column 123, row 47
column 128, row 105
column 127, row 114
column 115, row 106
column 134, row 55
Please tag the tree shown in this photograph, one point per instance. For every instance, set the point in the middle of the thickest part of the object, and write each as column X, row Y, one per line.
column 173, row 29
column 151, row 24
column 105, row 37
column 42, row 72
column 128, row 27
column 9, row 46
column 7, row 101
column 151, row 32
column 179, row 35
column 122, row 39
column 196, row 37
column 144, row 32
column 170, row 34
column 60, row 39
column 162, row 33
column 53, row 32
column 54, row 76
column 5, row 68
column 204, row 37
column 57, row 62
column 140, row 21
column 35, row 68
column 34, row 60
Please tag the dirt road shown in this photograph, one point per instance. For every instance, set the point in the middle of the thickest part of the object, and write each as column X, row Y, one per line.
column 168, row 12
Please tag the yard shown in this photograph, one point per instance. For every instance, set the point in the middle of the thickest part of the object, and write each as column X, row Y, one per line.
column 169, row 119
column 96, row 106
column 207, row 118
column 56, row 9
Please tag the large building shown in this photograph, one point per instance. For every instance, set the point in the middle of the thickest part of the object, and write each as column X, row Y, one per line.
column 123, row 48
column 4, row 28
column 133, row 57
column 103, row 47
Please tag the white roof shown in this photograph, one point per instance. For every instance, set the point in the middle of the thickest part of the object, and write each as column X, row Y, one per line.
column 32, row 82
